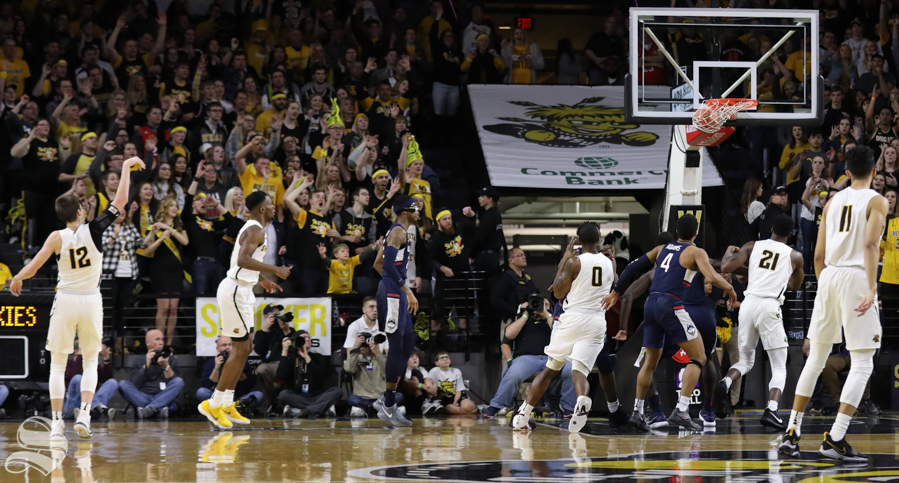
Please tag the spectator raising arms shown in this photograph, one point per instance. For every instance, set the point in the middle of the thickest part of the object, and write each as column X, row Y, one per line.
column 523, row 58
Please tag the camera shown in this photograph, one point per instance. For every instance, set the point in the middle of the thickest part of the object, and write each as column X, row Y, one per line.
column 224, row 355
column 166, row 351
column 535, row 304
column 286, row 318
column 377, row 339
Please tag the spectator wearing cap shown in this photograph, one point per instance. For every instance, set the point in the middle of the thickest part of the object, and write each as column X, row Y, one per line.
column 488, row 239
column 212, row 370
column 106, row 383
column 307, row 392
column 76, row 165
column 267, row 342
column 154, row 383
column 777, row 206
column 857, row 41
column 212, row 131
column 367, row 323
column 879, row 78
column 176, row 147
column 256, row 46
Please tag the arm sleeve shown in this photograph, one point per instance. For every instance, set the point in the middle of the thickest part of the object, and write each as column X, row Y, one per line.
column 390, row 271
column 101, row 223
column 633, row 271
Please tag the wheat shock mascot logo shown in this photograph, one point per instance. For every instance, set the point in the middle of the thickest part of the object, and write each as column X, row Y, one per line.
column 581, row 125
column 689, row 465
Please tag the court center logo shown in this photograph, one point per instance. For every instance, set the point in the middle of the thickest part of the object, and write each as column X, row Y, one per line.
column 583, row 124
column 692, row 464
column 39, row 453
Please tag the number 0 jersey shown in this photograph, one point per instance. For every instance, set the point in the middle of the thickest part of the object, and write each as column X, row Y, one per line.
column 770, row 268
column 244, row 276
column 80, row 257
column 846, row 224
column 591, row 284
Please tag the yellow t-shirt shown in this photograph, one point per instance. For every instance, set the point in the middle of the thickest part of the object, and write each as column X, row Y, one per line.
column 250, row 182
column 890, row 272
column 340, row 280
column 521, row 69
column 800, row 69
column 64, row 129
column 83, row 164
column 16, row 74
column 297, row 60
column 422, row 187
column 256, row 57
column 264, row 122
column 5, row 275
column 787, row 156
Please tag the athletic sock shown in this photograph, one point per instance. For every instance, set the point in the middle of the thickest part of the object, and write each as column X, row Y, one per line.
column 389, row 398
column 840, row 426
column 228, row 398
column 683, row 403
column 727, row 382
column 795, row 421
column 655, row 403
column 86, row 408
column 216, row 400
column 772, row 405
column 57, row 415
column 638, row 405
column 613, row 406
column 525, row 409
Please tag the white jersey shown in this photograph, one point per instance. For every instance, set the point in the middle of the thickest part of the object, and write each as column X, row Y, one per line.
column 242, row 275
column 592, row 283
column 412, row 236
column 80, row 261
column 770, row 268
column 846, row 224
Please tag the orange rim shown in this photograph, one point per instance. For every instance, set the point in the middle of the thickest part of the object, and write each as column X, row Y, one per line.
column 744, row 103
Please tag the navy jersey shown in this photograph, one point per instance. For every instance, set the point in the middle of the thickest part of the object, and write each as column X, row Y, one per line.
column 670, row 277
column 696, row 293
column 402, row 255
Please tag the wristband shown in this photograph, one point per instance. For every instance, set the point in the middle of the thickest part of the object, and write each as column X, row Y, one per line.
column 419, row 385
column 198, row 179
column 509, row 359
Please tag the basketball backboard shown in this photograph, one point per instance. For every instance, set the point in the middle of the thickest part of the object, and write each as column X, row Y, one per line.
column 681, row 56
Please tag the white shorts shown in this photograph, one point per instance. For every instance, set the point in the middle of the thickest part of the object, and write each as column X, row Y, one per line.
column 760, row 318
column 76, row 311
column 577, row 337
column 840, row 291
column 236, row 309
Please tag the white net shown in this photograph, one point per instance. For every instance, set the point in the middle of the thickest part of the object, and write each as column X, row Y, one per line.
column 712, row 116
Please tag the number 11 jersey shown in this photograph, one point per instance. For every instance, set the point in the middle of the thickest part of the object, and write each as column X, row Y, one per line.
column 846, row 224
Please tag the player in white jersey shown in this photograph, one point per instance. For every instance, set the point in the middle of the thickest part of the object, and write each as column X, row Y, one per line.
column 846, row 266
column 774, row 268
column 235, row 301
column 582, row 280
column 78, row 249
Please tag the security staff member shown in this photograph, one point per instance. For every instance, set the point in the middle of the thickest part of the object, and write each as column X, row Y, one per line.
column 510, row 289
column 488, row 238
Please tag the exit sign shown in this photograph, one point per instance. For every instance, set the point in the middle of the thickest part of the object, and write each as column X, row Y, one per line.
column 526, row 23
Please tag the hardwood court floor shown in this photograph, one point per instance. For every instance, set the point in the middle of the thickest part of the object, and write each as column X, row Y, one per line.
column 446, row 449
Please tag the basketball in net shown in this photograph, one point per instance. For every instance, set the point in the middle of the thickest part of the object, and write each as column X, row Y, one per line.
column 712, row 116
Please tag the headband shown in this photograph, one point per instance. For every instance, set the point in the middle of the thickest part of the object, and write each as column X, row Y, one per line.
column 379, row 173
column 279, row 95
column 87, row 135
column 442, row 214
column 177, row 129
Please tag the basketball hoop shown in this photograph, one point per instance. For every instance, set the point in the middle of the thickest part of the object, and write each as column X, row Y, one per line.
column 711, row 117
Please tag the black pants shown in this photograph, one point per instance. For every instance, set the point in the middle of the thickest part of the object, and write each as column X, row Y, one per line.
column 40, row 211
column 118, row 291
column 316, row 405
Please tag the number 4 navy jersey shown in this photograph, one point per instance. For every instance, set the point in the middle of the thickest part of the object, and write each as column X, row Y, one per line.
column 673, row 279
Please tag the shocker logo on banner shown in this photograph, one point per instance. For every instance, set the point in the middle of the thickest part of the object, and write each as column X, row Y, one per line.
column 584, row 124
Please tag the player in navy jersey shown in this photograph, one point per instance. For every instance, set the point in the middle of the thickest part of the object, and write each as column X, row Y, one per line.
column 666, row 316
column 395, row 303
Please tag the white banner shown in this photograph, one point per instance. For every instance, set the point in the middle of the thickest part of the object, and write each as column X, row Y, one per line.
column 310, row 314
column 572, row 137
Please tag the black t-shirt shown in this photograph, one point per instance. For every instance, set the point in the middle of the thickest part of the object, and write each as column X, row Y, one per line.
column 532, row 339
column 313, row 229
column 604, row 45
column 202, row 232
column 41, row 167
column 380, row 208
column 449, row 250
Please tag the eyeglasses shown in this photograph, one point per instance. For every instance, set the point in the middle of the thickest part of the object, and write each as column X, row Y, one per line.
column 164, row 169
column 443, row 358
column 520, row 255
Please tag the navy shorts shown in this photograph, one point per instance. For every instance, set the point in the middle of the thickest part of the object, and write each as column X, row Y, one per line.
column 394, row 317
column 704, row 318
column 666, row 318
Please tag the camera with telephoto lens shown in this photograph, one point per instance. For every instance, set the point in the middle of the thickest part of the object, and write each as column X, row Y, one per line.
column 377, row 339
column 166, row 351
column 535, row 304
column 286, row 318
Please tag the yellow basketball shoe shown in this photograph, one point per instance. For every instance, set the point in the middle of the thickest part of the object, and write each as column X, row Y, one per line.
column 215, row 416
column 235, row 417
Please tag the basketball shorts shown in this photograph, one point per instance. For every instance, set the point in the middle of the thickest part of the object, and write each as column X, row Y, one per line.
column 236, row 312
column 703, row 316
column 840, row 291
column 666, row 318
column 76, row 311
column 760, row 318
column 577, row 336
column 394, row 318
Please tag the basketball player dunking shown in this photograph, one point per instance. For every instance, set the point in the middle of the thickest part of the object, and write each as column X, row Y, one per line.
column 774, row 267
column 78, row 249
column 846, row 266
column 583, row 280
column 235, row 300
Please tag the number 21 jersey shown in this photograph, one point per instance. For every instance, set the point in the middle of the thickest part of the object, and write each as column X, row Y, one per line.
column 770, row 268
column 846, row 224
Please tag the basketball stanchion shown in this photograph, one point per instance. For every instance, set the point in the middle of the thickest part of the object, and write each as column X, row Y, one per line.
column 708, row 121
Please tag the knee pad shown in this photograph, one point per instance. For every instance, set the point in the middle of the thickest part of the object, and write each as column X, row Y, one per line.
column 859, row 373
column 817, row 357
column 778, row 358
column 554, row 364
column 58, row 374
column 90, row 378
column 695, row 363
column 580, row 367
column 606, row 363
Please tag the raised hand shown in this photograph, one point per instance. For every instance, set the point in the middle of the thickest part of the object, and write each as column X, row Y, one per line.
column 371, row 64
column 46, row 69
column 86, row 86
column 163, row 19
column 235, row 44
column 109, row 145
column 150, row 143
column 322, row 249
column 394, row 110
column 201, row 64
column 121, row 22
column 394, row 187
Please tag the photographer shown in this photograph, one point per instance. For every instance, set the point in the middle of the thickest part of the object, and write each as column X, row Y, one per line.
column 305, row 374
column 510, row 289
column 528, row 335
column 267, row 342
column 212, row 370
column 366, row 363
column 154, row 383
column 367, row 323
